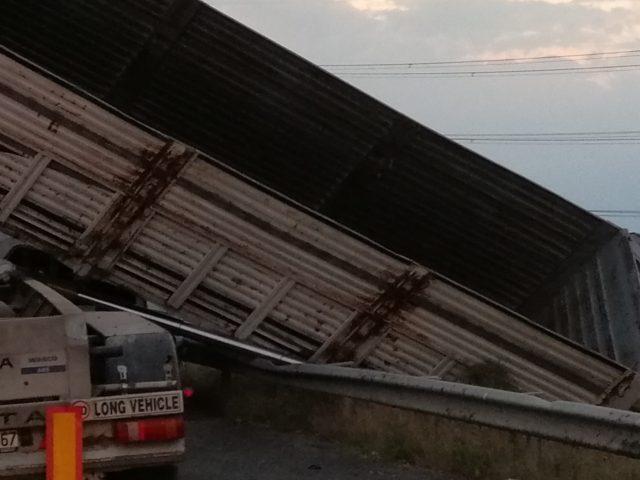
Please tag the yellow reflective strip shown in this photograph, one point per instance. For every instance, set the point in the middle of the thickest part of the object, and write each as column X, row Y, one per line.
column 64, row 446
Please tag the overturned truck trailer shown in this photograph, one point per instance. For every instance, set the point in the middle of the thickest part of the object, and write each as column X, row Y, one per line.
column 189, row 71
column 119, row 200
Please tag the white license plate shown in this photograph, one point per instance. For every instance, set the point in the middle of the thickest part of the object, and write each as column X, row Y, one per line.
column 9, row 440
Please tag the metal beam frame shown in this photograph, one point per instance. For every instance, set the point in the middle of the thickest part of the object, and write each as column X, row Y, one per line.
column 256, row 317
column 12, row 199
column 196, row 277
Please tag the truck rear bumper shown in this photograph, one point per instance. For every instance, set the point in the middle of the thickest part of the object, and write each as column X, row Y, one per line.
column 98, row 459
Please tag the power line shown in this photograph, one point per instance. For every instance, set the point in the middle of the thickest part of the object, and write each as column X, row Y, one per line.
column 547, row 134
column 546, row 139
column 612, row 137
column 538, row 59
column 493, row 73
column 617, row 213
column 548, row 142
column 620, row 137
column 618, row 216
column 633, row 212
column 502, row 67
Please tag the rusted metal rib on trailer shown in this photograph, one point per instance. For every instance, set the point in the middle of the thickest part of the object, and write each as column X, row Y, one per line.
column 239, row 260
column 362, row 333
column 107, row 239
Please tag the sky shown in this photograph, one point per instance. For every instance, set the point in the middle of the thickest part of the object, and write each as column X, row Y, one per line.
column 605, row 176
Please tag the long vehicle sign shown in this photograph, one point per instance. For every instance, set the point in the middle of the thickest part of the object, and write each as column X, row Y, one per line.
column 128, row 406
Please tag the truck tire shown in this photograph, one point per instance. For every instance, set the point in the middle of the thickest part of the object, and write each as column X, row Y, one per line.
column 165, row 472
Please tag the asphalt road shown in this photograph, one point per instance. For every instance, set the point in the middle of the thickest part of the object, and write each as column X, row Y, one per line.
column 223, row 450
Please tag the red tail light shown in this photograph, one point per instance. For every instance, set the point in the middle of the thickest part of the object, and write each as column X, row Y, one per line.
column 149, row 430
column 188, row 392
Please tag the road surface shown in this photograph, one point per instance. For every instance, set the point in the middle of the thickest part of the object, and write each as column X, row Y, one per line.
column 223, row 450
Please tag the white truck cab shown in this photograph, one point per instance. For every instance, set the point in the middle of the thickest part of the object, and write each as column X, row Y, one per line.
column 120, row 369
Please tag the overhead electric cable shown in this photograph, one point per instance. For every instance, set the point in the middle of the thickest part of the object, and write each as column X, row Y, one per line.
column 513, row 66
column 546, row 134
column 536, row 59
column 494, row 73
column 620, row 137
column 617, row 212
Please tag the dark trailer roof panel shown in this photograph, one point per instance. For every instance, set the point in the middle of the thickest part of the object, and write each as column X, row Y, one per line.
column 197, row 75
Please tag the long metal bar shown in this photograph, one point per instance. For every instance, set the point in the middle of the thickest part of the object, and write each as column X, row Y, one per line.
column 192, row 331
column 60, row 303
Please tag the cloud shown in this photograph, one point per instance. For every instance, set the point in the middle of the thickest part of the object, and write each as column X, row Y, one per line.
column 604, row 5
column 602, row 80
column 377, row 6
column 541, row 51
column 579, row 26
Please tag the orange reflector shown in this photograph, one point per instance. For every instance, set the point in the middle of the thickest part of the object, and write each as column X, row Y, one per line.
column 150, row 430
column 64, row 443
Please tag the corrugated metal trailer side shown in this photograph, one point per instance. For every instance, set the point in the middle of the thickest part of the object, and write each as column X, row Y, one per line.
column 635, row 248
column 596, row 302
column 120, row 200
column 188, row 70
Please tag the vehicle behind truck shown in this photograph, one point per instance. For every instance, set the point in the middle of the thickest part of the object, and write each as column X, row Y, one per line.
column 121, row 370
